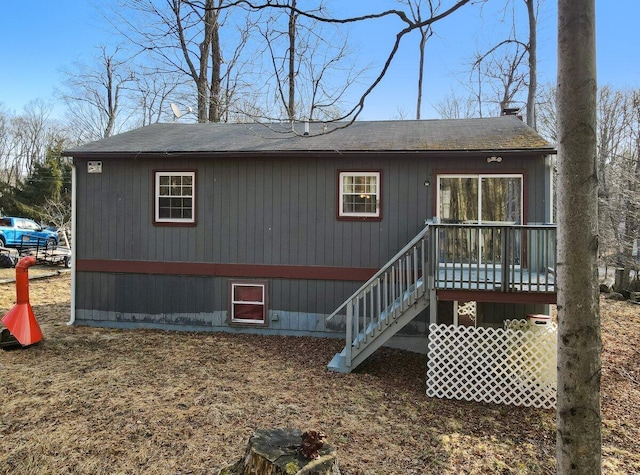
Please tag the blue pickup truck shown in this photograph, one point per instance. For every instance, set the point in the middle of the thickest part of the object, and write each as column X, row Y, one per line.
column 24, row 232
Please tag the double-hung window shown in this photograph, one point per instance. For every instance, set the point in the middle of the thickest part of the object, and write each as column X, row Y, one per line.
column 248, row 303
column 175, row 194
column 359, row 194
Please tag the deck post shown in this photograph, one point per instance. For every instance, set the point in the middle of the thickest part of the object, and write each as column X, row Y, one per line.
column 433, row 306
column 504, row 283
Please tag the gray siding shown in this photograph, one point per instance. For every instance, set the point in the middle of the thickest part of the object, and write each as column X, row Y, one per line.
column 263, row 211
column 253, row 211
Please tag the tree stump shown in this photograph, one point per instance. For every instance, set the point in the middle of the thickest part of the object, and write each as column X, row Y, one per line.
column 276, row 452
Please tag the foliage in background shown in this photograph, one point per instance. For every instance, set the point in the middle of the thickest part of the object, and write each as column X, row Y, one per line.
column 44, row 194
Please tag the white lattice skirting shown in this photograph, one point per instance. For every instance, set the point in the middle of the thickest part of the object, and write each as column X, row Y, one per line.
column 515, row 366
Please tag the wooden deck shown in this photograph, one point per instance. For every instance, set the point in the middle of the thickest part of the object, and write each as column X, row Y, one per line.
column 516, row 279
column 494, row 263
column 459, row 262
column 518, row 285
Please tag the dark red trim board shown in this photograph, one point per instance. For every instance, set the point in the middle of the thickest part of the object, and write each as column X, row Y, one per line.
column 255, row 271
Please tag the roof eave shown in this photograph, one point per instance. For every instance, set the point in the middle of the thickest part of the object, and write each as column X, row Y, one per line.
column 297, row 153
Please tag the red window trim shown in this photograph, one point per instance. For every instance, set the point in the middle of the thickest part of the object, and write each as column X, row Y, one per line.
column 338, row 192
column 481, row 171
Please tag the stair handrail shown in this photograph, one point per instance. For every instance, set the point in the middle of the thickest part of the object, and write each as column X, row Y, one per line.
column 384, row 268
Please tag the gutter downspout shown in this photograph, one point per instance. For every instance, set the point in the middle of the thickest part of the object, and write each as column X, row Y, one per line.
column 72, row 316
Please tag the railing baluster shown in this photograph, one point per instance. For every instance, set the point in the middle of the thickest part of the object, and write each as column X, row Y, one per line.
column 349, row 344
column 379, row 304
column 470, row 249
column 494, row 238
column 517, row 256
column 442, row 233
column 407, row 291
column 356, row 320
column 550, row 251
column 544, row 261
column 486, row 254
column 539, row 258
column 373, row 313
column 415, row 274
column 453, row 257
column 401, row 284
column 385, row 294
column 393, row 292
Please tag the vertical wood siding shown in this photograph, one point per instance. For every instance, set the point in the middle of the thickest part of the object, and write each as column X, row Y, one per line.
column 274, row 211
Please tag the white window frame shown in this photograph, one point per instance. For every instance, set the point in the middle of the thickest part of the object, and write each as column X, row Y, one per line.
column 341, row 194
column 262, row 302
column 157, row 196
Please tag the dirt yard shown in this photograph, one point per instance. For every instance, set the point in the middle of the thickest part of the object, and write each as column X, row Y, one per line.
column 100, row 401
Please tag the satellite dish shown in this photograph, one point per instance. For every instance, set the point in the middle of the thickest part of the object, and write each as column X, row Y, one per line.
column 177, row 113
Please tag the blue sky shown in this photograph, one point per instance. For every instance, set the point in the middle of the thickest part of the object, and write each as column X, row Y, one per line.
column 41, row 37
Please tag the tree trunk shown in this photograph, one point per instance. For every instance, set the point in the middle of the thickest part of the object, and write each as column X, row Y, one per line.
column 423, row 43
column 275, row 452
column 215, row 105
column 533, row 65
column 291, row 74
column 578, row 438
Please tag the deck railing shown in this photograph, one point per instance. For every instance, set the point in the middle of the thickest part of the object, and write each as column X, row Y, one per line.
column 387, row 295
column 496, row 258
column 503, row 258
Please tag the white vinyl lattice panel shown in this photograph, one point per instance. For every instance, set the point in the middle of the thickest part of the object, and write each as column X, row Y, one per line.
column 515, row 365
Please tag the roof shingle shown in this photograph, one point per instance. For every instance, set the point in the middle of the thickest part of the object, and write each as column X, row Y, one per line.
column 486, row 134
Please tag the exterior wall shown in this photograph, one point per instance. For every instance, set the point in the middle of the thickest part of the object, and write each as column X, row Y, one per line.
column 277, row 214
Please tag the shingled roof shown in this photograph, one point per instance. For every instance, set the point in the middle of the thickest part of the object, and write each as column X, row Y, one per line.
column 497, row 134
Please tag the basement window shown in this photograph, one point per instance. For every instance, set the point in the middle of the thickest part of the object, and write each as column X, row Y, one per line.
column 359, row 195
column 175, row 193
column 248, row 303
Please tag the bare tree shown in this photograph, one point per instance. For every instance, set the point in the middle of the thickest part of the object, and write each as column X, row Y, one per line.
column 310, row 66
column 24, row 140
column 152, row 92
column 8, row 168
column 94, row 94
column 503, row 72
column 456, row 107
column 579, row 341
column 184, row 37
column 187, row 36
column 546, row 113
column 620, row 171
column 613, row 123
column 410, row 25
column 532, row 51
column 426, row 31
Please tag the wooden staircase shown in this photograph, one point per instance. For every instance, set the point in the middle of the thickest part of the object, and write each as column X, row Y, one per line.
column 481, row 262
column 393, row 297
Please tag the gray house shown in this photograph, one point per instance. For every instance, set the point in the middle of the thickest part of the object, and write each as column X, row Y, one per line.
column 372, row 230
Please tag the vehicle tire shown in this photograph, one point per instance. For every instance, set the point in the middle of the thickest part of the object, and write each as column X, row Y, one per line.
column 51, row 244
column 67, row 262
column 3, row 243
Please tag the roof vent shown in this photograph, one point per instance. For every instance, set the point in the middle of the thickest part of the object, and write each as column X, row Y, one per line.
column 510, row 111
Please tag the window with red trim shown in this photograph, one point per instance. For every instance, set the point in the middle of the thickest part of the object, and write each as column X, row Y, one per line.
column 248, row 303
column 359, row 194
column 175, row 197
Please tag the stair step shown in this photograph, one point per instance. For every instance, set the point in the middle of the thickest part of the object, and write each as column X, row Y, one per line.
column 375, row 337
column 338, row 363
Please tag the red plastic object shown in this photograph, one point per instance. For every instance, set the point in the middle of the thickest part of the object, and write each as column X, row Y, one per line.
column 20, row 320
